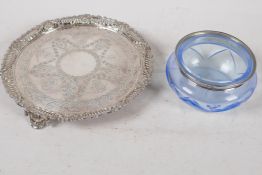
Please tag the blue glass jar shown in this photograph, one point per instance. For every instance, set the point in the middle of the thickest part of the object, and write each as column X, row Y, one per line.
column 212, row 71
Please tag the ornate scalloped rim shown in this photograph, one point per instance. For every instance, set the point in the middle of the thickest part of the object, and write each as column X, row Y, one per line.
column 48, row 26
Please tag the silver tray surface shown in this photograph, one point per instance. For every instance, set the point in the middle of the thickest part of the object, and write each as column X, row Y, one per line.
column 75, row 68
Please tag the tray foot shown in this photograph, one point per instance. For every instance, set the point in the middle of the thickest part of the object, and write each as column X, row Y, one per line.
column 37, row 122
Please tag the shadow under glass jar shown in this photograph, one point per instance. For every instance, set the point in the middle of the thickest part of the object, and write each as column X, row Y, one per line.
column 212, row 71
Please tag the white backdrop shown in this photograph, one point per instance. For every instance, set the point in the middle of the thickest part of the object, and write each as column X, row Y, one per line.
column 157, row 134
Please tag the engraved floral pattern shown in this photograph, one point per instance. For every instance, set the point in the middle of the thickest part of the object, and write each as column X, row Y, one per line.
column 48, row 77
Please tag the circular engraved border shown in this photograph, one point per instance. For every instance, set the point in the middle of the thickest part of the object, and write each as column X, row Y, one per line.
column 16, row 48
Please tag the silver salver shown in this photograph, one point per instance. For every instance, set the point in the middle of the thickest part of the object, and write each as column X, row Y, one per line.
column 75, row 68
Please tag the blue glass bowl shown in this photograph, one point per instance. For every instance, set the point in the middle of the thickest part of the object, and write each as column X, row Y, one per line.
column 212, row 71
